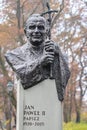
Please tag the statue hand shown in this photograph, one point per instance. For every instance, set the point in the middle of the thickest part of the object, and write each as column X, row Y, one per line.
column 48, row 55
column 49, row 46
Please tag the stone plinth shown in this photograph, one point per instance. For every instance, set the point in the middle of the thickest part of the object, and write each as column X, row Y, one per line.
column 38, row 107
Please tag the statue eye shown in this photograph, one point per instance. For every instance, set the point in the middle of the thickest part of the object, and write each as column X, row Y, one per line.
column 41, row 27
column 32, row 27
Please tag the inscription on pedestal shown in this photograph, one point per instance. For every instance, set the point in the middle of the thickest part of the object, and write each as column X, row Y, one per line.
column 33, row 117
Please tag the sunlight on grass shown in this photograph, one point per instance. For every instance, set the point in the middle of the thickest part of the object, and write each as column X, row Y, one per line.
column 75, row 126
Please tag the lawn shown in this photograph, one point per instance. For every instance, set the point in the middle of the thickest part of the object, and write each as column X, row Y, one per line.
column 75, row 126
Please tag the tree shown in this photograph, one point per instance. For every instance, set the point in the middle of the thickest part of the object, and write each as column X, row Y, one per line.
column 71, row 34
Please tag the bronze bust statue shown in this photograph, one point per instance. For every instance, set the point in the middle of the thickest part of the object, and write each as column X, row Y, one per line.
column 33, row 61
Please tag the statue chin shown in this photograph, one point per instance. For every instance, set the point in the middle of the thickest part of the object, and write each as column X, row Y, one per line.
column 36, row 42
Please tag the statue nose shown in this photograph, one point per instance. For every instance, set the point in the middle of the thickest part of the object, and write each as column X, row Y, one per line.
column 36, row 30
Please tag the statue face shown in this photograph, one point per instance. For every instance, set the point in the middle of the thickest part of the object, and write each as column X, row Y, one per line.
column 36, row 30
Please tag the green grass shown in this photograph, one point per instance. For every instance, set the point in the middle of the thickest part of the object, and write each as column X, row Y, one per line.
column 75, row 126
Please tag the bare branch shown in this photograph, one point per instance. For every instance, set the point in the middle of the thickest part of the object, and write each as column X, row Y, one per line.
column 84, row 91
column 33, row 11
column 58, row 14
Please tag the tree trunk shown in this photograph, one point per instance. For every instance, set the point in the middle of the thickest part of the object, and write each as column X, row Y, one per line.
column 7, row 113
column 65, row 113
column 18, row 14
column 78, row 117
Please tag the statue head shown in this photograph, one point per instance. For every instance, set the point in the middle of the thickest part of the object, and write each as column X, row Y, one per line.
column 35, row 29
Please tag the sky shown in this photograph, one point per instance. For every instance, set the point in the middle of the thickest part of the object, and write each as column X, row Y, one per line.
column 1, row 14
column 2, row 5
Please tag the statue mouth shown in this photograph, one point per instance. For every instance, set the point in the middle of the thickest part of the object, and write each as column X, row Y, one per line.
column 36, row 36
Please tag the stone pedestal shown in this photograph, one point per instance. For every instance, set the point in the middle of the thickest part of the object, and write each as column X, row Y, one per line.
column 38, row 107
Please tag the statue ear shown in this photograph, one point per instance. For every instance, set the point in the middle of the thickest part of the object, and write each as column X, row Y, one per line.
column 25, row 30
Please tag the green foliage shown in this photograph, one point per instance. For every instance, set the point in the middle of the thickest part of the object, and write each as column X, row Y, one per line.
column 84, row 117
column 75, row 126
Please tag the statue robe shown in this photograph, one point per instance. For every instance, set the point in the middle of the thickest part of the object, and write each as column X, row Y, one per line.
column 25, row 61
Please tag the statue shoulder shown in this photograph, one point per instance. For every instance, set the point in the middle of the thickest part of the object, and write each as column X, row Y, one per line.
column 17, row 51
column 16, row 55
